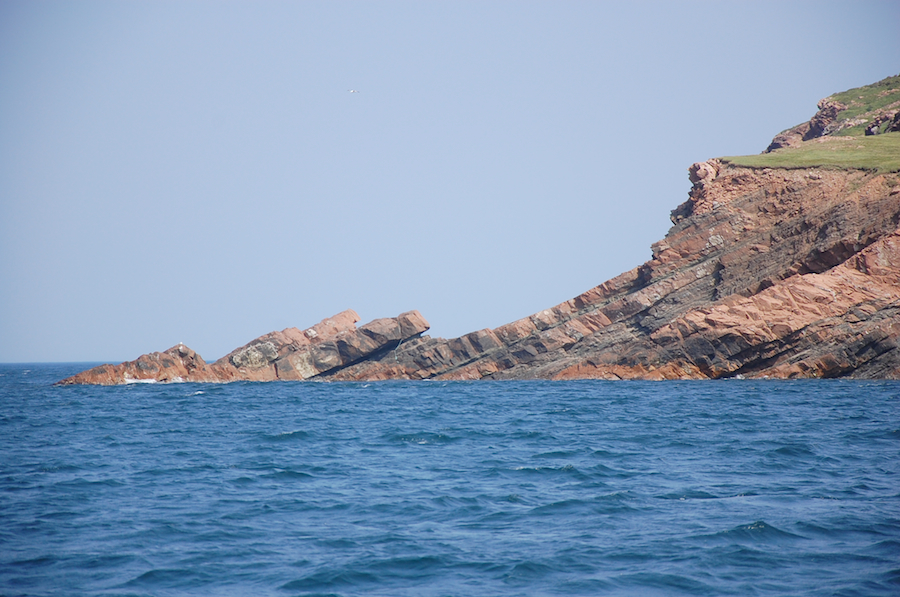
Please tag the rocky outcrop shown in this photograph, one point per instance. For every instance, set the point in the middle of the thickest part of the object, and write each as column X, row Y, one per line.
column 766, row 272
column 872, row 110
column 894, row 126
column 825, row 120
column 290, row 354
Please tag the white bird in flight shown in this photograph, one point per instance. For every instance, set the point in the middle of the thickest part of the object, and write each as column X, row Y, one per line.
column 353, row 91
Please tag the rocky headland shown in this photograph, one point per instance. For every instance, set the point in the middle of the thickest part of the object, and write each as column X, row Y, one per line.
column 783, row 265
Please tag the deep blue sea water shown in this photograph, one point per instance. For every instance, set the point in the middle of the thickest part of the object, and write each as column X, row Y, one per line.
column 431, row 488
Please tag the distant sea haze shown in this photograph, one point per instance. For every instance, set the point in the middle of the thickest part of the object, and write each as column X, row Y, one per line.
column 448, row 488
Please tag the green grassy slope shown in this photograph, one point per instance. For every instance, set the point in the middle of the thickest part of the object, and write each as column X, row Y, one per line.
column 878, row 152
column 864, row 103
column 847, row 146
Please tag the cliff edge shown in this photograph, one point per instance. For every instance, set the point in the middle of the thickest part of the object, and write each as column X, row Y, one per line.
column 782, row 265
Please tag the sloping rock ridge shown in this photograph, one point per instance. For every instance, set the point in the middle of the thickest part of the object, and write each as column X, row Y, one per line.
column 290, row 354
column 767, row 272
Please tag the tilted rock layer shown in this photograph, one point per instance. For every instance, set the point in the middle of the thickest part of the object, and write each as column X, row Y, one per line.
column 767, row 273
column 290, row 354
column 783, row 273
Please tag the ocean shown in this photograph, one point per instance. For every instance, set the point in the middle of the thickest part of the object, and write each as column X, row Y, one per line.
column 448, row 488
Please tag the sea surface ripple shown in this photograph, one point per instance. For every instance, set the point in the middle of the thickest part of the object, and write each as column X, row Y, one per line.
column 441, row 489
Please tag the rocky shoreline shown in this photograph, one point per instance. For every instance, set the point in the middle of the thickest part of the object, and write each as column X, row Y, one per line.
column 766, row 272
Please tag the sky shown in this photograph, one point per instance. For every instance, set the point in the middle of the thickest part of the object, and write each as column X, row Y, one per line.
column 200, row 172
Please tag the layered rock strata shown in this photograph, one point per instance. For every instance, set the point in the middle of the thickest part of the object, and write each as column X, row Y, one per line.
column 767, row 272
column 290, row 354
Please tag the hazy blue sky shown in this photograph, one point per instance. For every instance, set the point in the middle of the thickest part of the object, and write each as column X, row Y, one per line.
column 199, row 171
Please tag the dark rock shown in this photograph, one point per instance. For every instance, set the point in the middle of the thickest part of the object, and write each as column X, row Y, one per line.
column 824, row 118
column 894, row 126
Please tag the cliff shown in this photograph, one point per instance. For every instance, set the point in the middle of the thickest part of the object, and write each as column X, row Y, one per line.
column 778, row 273
column 781, row 265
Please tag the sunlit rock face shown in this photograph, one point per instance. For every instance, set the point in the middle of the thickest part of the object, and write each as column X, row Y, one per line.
column 290, row 354
column 766, row 272
column 769, row 272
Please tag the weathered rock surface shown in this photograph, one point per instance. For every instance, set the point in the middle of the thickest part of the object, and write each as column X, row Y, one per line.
column 778, row 273
column 833, row 117
column 766, row 272
column 290, row 354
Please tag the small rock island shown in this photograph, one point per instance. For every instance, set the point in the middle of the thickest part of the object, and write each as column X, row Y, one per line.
column 780, row 265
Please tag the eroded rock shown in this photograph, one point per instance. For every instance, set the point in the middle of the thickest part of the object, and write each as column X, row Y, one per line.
column 765, row 273
column 290, row 354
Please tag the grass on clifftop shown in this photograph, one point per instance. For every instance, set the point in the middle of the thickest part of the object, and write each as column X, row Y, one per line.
column 864, row 102
column 878, row 152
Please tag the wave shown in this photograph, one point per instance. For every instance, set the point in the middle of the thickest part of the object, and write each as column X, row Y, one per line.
column 421, row 438
column 754, row 532
column 655, row 583
column 170, row 578
column 690, row 494
column 297, row 434
column 288, row 475
column 447, row 489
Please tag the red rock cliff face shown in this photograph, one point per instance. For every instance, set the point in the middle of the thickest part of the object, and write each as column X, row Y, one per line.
column 765, row 273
